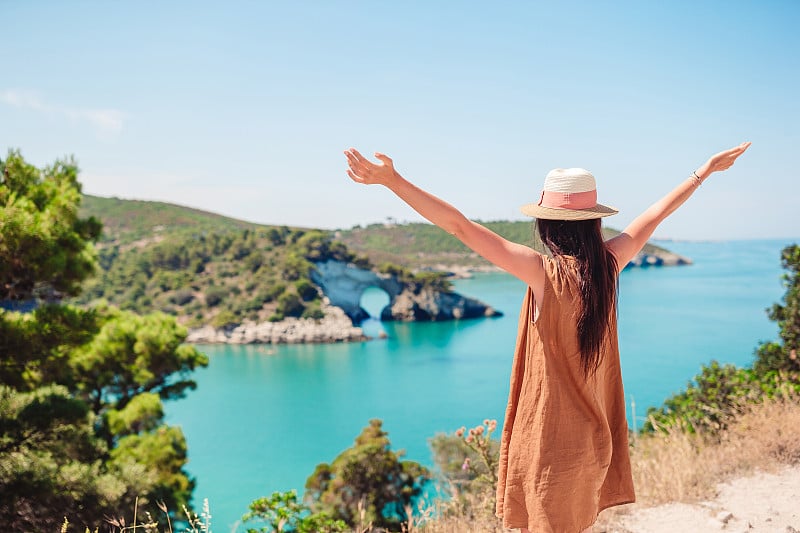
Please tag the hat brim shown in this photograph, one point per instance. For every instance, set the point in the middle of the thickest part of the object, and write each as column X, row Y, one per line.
column 551, row 213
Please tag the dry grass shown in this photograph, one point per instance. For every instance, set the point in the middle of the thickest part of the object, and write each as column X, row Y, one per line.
column 684, row 467
column 465, row 513
column 680, row 466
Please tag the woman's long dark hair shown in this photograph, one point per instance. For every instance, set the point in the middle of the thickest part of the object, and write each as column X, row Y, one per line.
column 583, row 240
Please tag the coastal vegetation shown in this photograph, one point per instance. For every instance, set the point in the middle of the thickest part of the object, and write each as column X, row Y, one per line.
column 716, row 396
column 203, row 268
column 82, row 431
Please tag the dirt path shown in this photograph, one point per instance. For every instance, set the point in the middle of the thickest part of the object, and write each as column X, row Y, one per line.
column 764, row 502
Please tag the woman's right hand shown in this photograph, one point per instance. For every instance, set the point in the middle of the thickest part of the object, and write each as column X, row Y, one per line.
column 721, row 161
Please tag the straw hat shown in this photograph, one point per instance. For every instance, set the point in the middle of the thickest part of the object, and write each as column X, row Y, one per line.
column 568, row 194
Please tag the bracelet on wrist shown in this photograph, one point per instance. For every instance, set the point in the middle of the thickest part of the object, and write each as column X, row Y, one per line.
column 696, row 180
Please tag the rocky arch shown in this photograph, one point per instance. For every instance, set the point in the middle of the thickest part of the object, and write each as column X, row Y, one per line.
column 344, row 283
column 374, row 300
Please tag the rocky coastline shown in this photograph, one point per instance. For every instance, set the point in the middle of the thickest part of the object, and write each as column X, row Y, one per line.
column 335, row 327
column 343, row 284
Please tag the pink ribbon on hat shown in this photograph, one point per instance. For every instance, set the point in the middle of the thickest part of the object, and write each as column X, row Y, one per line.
column 568, row 200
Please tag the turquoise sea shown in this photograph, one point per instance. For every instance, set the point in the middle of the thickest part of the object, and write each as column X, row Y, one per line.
column 263, row 417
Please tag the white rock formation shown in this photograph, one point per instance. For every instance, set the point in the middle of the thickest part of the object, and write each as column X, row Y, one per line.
column 335, row 327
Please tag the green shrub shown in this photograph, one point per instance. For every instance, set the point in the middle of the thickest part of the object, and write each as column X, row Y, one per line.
column 720, row 392
column 227, row 273
column 254, row 261
column 295, row 267
column 367, row 478
column 709, row 401
column 248, row 306
column 282, row 512
column 717, row 396
column 313, row 310
column 273, row 292
column 783, row 355
column 215, row 294
column 181, row 297
column 306, row 290
column 276, row 237
column 289, row 304
column 224, row 319
column 362, row 261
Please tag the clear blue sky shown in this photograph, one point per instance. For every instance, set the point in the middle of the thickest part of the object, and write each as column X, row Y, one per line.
column 244, row 108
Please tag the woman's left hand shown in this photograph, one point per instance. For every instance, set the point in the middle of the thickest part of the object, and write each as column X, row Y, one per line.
column 362, row 170
column 721, row 161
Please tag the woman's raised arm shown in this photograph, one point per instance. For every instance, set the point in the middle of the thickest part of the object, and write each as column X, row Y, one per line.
column 628, row 243
column 516, row 259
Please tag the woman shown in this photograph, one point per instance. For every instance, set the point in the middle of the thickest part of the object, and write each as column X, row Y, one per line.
column 564, row 446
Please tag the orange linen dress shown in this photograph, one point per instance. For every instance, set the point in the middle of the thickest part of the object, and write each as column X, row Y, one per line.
column 564, row 447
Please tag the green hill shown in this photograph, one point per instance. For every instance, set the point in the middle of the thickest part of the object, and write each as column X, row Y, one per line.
column 202, row 267
column 126, row 221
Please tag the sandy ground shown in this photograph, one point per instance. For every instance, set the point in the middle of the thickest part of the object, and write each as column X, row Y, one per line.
column 764, row 502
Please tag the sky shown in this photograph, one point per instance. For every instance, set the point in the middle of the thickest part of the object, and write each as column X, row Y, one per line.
column 245, row 108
